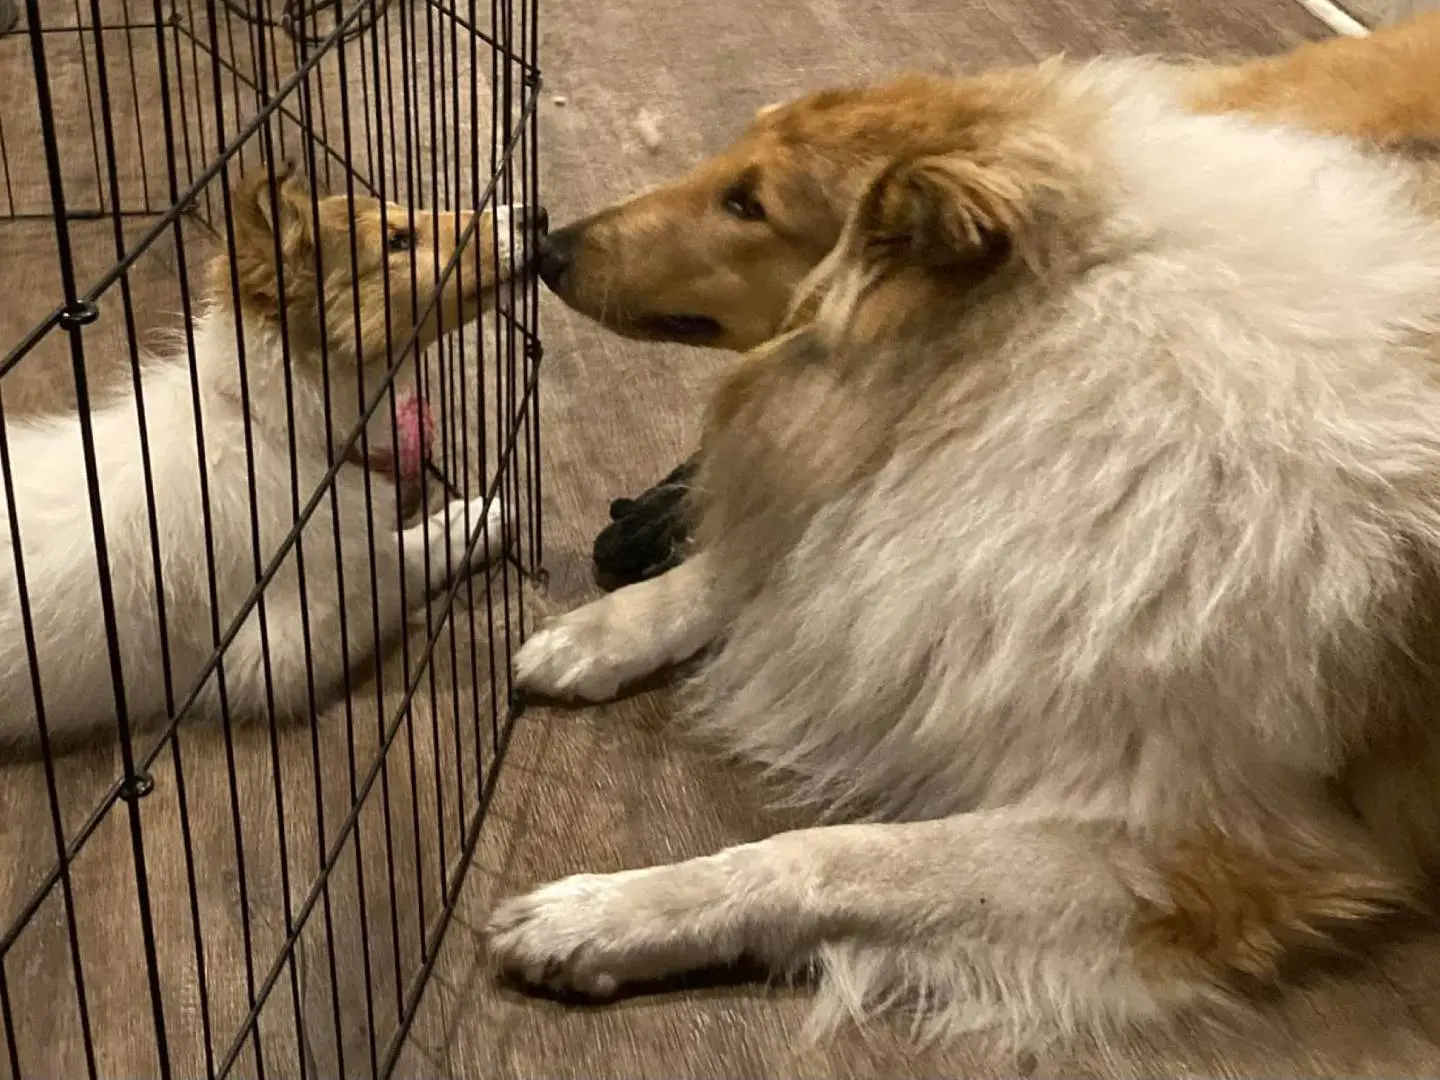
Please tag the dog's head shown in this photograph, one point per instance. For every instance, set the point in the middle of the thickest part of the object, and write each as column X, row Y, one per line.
column 715, row 257
column 363, row 275
column 936, row 232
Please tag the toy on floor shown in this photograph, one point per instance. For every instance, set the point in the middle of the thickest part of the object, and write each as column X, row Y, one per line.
column 648, row 534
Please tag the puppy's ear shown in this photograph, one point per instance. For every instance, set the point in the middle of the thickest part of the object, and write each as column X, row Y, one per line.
column 275, row 202
column 264, row 207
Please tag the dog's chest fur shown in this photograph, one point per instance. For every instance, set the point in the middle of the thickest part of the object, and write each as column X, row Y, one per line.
column 1195, row 494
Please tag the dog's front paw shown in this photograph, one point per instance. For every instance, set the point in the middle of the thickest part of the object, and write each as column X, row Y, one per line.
column 588, row 934
column 572, row 657
column 589, row 653
column 464, row 522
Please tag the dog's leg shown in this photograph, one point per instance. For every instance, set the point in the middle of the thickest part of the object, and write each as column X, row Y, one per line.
column 367, row 604
column 592, row 651
column 426, row 543
column 995, row 917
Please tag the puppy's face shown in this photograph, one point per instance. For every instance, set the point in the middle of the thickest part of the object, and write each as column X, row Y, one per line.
column 368, row 277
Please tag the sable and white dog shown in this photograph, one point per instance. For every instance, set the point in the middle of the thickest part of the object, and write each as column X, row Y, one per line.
column 208, row 522
column 1087, row 543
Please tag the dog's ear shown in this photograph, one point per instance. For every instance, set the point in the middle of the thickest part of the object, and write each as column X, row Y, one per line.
column 263, row 207
column 944, row 213
column 965, row 210
column 276, row 203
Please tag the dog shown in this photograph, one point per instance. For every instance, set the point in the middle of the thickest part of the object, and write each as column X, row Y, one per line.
column 713, row 258
column 1076, row 547
column 200, row 475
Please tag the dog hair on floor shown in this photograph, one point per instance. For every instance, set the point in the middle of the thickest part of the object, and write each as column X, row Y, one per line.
column 1081, row 550
column 316, row 285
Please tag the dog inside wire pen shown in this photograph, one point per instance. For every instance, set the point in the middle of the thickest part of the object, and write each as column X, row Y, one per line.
column 1081, row 539
column 354, row 282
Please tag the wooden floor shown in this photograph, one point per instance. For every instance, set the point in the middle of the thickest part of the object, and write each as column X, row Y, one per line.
column 617, row 786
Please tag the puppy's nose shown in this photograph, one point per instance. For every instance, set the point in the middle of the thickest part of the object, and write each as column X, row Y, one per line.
column 532, row 219
column 557, row 255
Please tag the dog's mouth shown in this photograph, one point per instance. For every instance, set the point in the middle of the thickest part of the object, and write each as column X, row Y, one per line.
column 687, row 328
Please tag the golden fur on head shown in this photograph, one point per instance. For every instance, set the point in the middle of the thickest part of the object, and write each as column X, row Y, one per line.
column 377, row 266
column 714, row 257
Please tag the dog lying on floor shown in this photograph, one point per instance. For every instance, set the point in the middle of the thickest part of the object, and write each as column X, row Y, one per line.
column 1083, row 535
column 669, row 264
column 198, row 552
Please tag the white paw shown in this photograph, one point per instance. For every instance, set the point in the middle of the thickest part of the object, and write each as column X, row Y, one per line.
column 589, row 934
column 570, row 658
column 483, row 526
column 435, row 551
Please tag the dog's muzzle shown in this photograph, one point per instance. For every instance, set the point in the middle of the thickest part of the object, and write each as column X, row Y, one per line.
column 556, row 257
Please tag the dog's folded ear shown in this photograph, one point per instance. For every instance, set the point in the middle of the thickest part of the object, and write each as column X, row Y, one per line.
column 961, row 211
column 275, row 202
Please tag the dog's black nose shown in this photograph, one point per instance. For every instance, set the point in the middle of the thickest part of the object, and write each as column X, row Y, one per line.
column 542, row 220
column 557, row 255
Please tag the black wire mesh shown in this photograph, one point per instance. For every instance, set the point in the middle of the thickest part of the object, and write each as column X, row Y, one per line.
column 239, row 797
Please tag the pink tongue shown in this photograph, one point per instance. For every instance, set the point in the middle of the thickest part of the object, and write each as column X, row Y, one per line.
column 415, row 430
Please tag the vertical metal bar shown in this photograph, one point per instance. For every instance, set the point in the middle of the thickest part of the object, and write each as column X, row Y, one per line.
column 327, row 905
column 246, row 930
column 185, row 104
column 235, row 77
column 394, row 185
column 437, row 207
column 90, row 106
column 76, row 318
column 5, row 170
column 341, row 587
column 504, row 336
column 283, row 308
column 207, row 1032
column 457, row 386
column 267, row 76
column 52, row 791
column 477, row 189
column 458, row 389
column 371, row 180
column 415, row 192
column 495, row 143
column 135, row 100
column 7, row 1010
column 537, row 352
column 370, row 505
column 303, row 41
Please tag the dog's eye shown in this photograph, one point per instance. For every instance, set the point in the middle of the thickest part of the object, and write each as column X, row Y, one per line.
column 401, row 240
column 743, row 205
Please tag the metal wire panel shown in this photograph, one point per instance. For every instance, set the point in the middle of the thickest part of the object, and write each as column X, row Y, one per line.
column 241, row 859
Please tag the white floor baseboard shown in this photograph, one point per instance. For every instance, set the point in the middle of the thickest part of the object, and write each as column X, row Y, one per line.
column 1335, row 17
